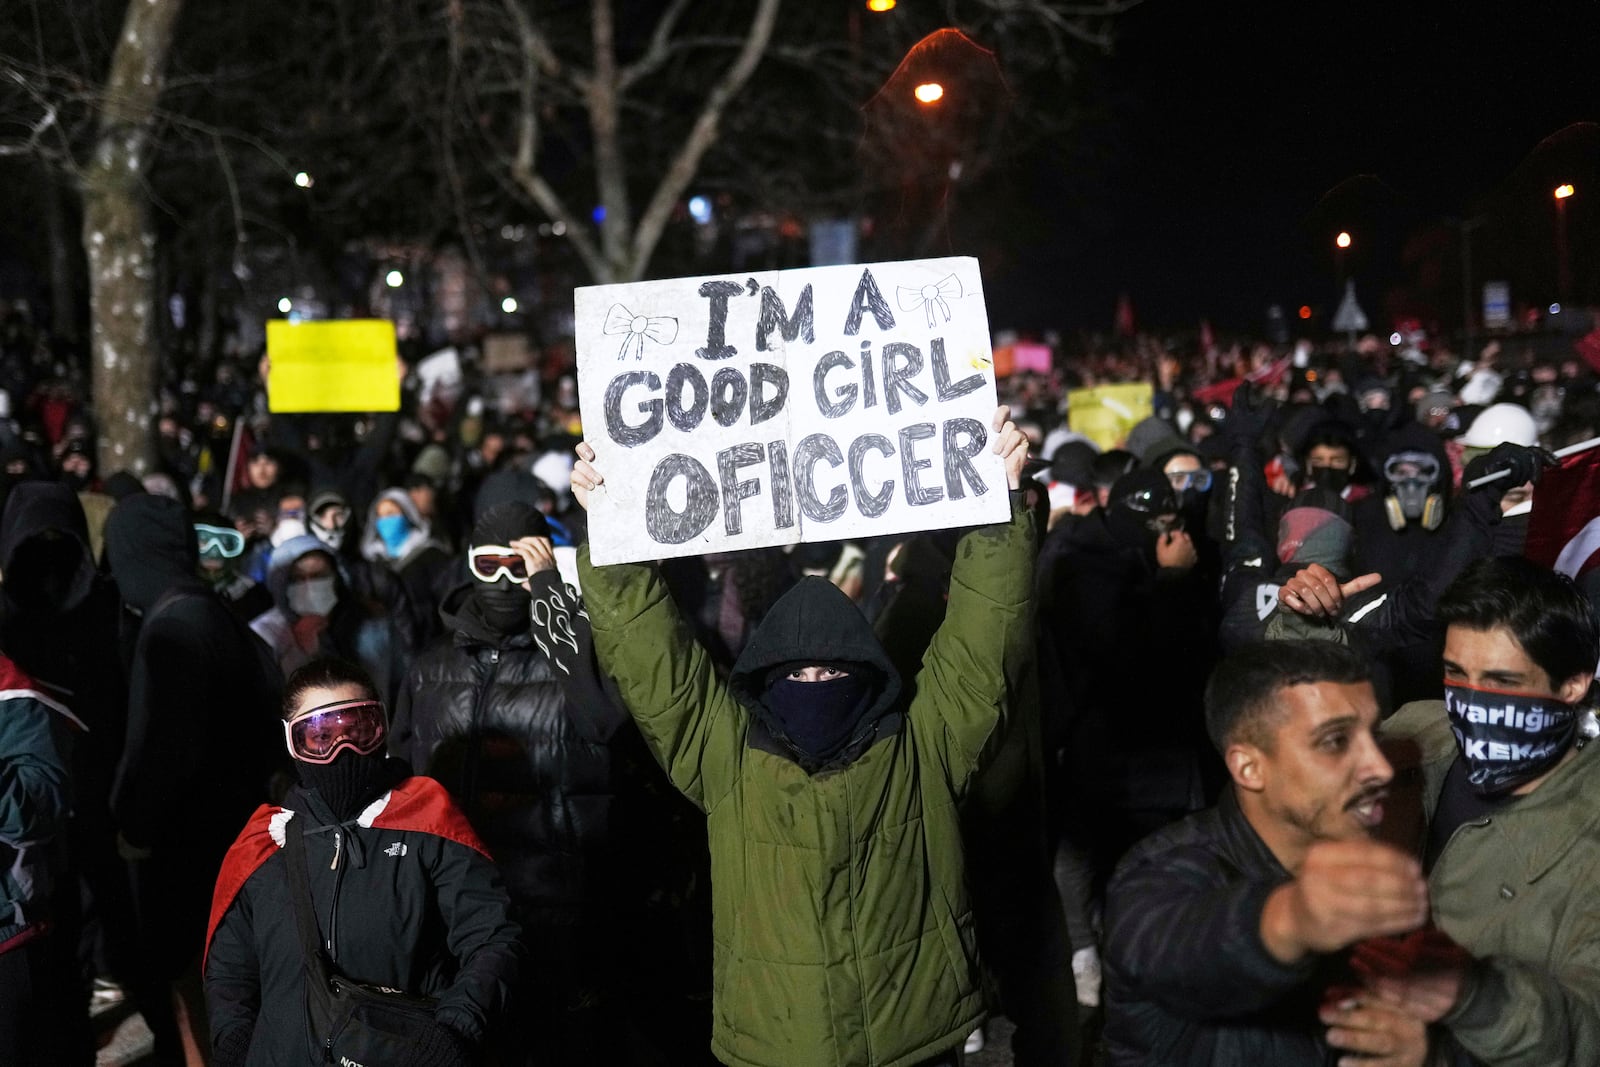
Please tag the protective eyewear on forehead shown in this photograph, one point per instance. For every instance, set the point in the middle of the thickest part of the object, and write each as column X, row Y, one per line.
column 319, row 735
column 1199, row 480
column 219, row 540
column 490, row 562
column 1150, row 502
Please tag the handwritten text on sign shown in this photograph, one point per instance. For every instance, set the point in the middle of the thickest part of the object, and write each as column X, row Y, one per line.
column 787, row 406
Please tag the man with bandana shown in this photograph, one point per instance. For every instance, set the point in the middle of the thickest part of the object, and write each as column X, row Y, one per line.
column 1512, row 841
column 842, row 926
column 510, row 712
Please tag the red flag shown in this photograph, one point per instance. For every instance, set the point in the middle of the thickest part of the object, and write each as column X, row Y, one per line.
column 1588, row 346
column 1125, row 323
column 1564, row 529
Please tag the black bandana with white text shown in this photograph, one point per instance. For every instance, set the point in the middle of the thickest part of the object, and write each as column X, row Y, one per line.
column 1508, row 739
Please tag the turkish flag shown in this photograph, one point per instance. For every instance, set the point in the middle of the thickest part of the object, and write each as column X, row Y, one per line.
column 1564, row 529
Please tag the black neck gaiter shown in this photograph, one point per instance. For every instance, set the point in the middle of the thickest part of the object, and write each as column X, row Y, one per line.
column 348, row 784
column 820, row 719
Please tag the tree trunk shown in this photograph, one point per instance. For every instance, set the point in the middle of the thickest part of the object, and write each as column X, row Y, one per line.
column 119, row 241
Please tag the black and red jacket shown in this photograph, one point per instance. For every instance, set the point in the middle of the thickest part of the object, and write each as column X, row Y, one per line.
column 405, row 897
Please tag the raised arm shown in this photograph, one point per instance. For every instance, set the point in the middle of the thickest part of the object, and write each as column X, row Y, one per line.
column 987, row 633
column 691, row 722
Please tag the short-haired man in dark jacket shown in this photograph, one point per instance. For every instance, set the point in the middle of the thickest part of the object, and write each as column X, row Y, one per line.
column 1223, row 930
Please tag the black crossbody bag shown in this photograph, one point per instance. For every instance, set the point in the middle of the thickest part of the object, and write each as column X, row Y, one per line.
column 349, row 1022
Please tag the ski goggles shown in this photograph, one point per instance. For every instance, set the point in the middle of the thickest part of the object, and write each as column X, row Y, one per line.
column 222, row 541
column 490, row 562
column 319, row 735
column 1199, row 480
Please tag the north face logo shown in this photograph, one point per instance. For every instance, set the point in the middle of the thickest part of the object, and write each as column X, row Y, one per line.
column 346, row 1061
column 396, row 849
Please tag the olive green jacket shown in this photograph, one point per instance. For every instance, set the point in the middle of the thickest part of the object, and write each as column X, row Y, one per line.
column 1521, row 891
column 841, row 926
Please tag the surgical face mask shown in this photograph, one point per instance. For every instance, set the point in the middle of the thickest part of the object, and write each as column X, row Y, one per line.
column 1508, row 739
column 313, row 596
column 393, row 529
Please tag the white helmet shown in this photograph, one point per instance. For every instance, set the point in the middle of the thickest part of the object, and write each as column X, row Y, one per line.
column 1499, row 423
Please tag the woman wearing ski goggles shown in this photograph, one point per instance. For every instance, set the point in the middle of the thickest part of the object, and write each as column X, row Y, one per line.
column 318, row 734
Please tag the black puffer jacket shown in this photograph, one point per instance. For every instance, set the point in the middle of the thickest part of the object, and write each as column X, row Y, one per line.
column 520, row 731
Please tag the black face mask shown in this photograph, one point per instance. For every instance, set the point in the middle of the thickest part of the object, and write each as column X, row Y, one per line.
column 348, row 784
column 1508, row 739
column 1334, row 479
column 504, row 608
column 820, row 719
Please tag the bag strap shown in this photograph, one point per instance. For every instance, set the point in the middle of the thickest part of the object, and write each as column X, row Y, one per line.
column 294, row 848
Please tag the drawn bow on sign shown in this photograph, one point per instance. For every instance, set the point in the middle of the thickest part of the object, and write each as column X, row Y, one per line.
column 619, row 321
column 930, row 297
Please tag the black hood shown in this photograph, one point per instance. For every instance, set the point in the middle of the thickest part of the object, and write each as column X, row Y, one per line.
column 36, row 508
column 812, row 624
column 150, row 548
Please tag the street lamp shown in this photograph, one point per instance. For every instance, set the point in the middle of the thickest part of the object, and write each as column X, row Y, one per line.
column 394, row 279
column 1343, row 240
column 929, row 92
column 304, row 180
column 880, row 6
column 1563, row 193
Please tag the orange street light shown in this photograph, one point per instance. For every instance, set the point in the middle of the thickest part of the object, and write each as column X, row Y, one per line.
column 929, row 92
column 1343, row 240
column 1563, row 191
column 880, row 6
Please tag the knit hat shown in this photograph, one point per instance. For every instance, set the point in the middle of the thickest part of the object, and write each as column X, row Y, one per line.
column 1312, row 535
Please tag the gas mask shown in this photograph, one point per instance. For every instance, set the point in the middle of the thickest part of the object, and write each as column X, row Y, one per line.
column 1412, row 477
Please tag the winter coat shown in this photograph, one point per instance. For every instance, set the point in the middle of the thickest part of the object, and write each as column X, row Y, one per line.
column 1517, row 891
column 427, row 571
column 350, row 634
column 1188, row 982
column 489, row 716
column 841, row 925
column 406, row 897
column 201, row 738
column 36, row 734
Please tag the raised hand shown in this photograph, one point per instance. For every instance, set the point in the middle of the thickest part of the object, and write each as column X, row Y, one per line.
column 1010, row 444
column 1315, row 591
column 584, row 477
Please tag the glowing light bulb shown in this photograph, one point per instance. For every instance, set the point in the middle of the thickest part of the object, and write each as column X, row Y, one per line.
column 509, row 305
column 1343, row 240
column 929, row 92
column 394, row 279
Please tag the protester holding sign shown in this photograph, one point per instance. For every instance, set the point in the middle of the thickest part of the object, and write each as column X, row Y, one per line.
column 841, row 923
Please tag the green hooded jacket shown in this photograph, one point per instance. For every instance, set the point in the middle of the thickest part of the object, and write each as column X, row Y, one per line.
column 841, row 926
column 1517, row 890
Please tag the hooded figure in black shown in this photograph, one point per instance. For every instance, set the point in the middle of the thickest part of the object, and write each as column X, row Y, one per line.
column 1131, row 642
column 509, row 711
column 203, row 734
column 826, row 723
column 58, row 623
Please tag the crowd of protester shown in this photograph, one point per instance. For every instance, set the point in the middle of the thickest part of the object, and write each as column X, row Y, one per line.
column 1251, row 739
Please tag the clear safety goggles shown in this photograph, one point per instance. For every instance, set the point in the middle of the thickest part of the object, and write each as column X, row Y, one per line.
column 319, row 735
column 491, row 562
column 219, row 541
column 1199, row 480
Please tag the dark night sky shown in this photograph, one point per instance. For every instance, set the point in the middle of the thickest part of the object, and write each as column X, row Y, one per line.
column 1221, row 127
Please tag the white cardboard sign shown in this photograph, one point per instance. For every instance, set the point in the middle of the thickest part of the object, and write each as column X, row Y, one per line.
column 817, row 404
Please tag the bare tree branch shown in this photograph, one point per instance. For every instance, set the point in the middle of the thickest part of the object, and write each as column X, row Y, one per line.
column 681, row 170
column 658, row 51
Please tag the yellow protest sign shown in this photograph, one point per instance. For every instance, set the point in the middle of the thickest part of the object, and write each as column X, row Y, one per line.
column 344, row 365
column 1106, row 413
